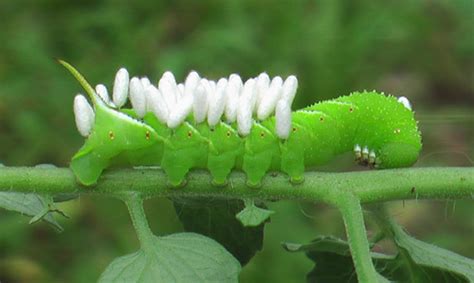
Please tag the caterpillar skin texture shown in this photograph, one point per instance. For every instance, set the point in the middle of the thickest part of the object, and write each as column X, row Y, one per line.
column 379, row 129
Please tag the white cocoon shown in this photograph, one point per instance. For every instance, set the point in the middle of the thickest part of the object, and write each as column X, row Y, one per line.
column 289, row 89
column 200, row 104
column 157, row 104
column 237, row 80
column 84, row 115
column 283, row 119
column 233, row 89
column 169, row 76
column 244, row 112
column 169, row 89
column 137, row 97
column 145, row 82
column 270, row 99
column 210, row 89
column 217, row 103
column 263, row 83
column 191, row 82
column 180, row 92
column 253, row 95
column 181, row 111
column 120, row 91
column 212, row 85
column 403, row 100
column 102, row 92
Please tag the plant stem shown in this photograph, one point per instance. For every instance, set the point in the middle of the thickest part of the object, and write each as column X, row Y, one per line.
column 346, row 191
column 351, row 211
column 367, row 186
column 134, row 203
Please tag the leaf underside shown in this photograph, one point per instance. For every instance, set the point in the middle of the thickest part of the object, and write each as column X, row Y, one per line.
column 29, row 204
column 183, row 257
column 216, row 219
column 333, row 263
column 426, row 254
column 252, row 215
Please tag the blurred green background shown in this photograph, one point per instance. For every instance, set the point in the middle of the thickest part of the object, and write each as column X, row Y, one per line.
column 420, row 49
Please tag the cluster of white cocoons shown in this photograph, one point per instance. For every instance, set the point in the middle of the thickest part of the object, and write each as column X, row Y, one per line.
column 227, row 99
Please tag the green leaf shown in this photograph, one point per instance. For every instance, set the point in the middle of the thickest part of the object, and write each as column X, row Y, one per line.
column 65, row 197
column 432, row 256
column 183, row 257
column 332, row 258
column 216, row 219
column 39, row 207
column 252, row 215
column 333, row 263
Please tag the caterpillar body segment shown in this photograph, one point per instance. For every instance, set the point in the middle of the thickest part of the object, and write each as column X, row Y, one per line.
column 228, row 146
column 261, row 151
column 380, row 130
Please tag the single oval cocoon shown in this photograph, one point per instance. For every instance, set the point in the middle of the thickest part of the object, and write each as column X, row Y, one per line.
column 200, row 104
column 263, row 83
column 137, row 97
column 217, row 103
column 120, row 90
column 145, row 82
column 157, row 104
column 102, row 92
column 403, row 100
column 283, row 119
column 270, row 99
column 236, row 79
column 180, row 92
column 191, row 82
column 233, row 89
column 180, row 112
column 169, row 89
column 253, row 94
column 289, row 89
column 84, row 115
column 244, row 112
column 170, row 77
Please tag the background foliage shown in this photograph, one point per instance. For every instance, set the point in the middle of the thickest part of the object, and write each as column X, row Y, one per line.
column 420, row 49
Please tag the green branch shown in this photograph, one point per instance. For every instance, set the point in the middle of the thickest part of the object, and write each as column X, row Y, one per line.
column 351, row 210
column 367, row 186
column 134, row 204
column 346, row 191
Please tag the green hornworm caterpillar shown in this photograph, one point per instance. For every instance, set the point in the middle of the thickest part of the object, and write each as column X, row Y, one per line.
column 166, row 126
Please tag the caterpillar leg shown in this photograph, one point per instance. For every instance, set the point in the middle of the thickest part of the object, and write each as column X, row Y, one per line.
column 256, row 166
column 366, row 157
column 88, row 168
column 220, row 167
column 292, row 163
column 176, row 166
